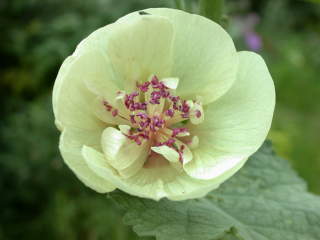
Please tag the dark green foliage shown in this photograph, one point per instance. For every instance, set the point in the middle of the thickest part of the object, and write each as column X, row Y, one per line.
column 265, row 200
column 40, row 196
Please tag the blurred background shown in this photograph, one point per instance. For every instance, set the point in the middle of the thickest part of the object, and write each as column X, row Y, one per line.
column 40, row 196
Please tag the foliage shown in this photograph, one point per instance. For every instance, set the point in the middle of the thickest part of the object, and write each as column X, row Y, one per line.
column 265, row 200
column 290, row 36
column 38, row 35
column 42, row 197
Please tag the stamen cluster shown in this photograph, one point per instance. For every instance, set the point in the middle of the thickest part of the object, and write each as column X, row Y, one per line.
column 154, row 126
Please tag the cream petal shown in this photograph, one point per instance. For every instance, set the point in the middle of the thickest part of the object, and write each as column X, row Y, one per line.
column 99, row 76
column 129, row 61
column 140, row 47
column 237, row 124
column 183, row 188
column 96, row 43
column 194, row 142
column 204, row 56
column 101, row 167
column 171, row 83
column 125, row 129
column 168, row 153
column 122, row 153
column 154, row 183
column 71, row 142
column 71, row 99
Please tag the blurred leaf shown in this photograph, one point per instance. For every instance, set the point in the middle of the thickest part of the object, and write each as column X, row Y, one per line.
column 40, row 196
column 212, row 9
column 313, row 1
column 266, row 200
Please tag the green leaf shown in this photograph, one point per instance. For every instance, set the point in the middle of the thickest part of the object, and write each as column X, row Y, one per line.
column 265, row 200
column 313, row 1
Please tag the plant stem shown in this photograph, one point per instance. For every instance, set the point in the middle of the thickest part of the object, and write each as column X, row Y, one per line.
column 178, row 4
column 212, row 9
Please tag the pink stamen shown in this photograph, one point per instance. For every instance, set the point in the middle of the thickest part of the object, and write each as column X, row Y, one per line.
column 132, row 120
column 176, row 131
column 144, row 87
column 114, row 112
column 144, row 135
column 107, row 105
column 155, row 82
column 185, row 115
column 198, row 113
column 138, row 140
column 170, row 142
column 143, row 106
column 142, row 115
column 174, row 98
column 164, row 94
column 134, row 138
column 155, row 97
column 180, row 151
column 185, row 107
column 170, row 112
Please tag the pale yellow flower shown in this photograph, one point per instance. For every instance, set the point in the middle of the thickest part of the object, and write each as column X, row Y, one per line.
column 161, row 105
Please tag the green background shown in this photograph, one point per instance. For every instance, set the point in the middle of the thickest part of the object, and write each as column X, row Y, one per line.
column 40, row 196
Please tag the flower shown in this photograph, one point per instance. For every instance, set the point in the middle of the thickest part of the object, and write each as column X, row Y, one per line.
column 160, row 104
column 246, row 27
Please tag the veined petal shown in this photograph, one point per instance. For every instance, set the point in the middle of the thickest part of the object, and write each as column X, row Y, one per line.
column 204, row 56
column 210, row 164
column 175, row 159
column 197, row 188
column 168, row 153
column 71, row 99
column 171, row 83
column 125, row 129
column 237, row 124
column 141, row 47
column 155, row 183
column 142, row 188
column 71, row 142
column 100, row 78
column 122, row 153
column 193, row 142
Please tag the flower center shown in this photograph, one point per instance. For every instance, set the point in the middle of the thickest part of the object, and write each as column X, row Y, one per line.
column 156, row 115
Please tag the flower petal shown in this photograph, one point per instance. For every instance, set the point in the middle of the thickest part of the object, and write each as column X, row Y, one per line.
column 236, row 125
column 154, row 183
column 99, row 76
column 71, row 142
column 171, row 83
column 140, row 47
column 204, row 55
column 72, row 101
column 122, row 153
column 168, row 153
